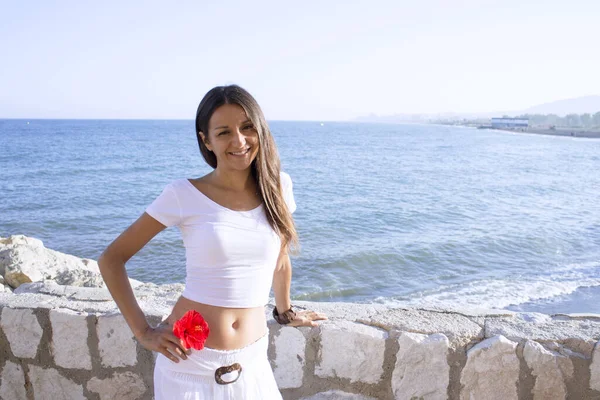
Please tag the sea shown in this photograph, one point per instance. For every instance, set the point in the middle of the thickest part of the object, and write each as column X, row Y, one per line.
column 405, row 215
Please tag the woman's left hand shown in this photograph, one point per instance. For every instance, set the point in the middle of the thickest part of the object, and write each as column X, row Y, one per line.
column 307, row 318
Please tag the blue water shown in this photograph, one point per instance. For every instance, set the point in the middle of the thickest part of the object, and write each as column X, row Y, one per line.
column 400, row 214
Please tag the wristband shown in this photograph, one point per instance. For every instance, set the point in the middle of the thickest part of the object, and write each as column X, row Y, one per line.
column 285, row 317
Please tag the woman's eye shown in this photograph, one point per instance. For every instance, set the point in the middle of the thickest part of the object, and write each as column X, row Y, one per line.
column 249, row 127
column 223, row 133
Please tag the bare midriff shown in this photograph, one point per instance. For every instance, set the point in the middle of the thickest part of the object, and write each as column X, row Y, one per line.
column 230, row 328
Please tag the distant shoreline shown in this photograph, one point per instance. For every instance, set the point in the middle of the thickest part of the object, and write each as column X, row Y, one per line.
column 583, row 133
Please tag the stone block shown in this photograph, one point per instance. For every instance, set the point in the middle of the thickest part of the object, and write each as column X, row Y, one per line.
column 22, row 330
column 595, row 368
column 352, row 351
column 457, row 328
column 115, row 342
column 28, row 301
column 124, row 386
column 13, row 382
column 65, row 291
column 69, row 345
column 543, row 328
column 290, row 346
column 341, row 311
column 50, row 384
column 491, row 371
column 549, row 369
column 337, row 395
column 422, row 369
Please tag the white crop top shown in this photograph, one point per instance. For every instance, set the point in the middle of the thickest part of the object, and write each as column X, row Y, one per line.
column 230, row 255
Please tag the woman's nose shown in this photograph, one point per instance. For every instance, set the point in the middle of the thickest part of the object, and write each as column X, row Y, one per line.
column 239, row 138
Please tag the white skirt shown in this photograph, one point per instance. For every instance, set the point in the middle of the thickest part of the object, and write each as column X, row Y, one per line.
column 196, row 378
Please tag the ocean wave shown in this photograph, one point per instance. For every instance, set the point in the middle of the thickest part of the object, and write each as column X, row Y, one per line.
column 502, row 293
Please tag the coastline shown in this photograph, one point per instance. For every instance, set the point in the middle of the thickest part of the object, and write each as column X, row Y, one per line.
column 574, row 132
column 567, row 132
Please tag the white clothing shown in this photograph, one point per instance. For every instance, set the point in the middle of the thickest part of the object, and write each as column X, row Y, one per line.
column 194, row 378
column 230, row 255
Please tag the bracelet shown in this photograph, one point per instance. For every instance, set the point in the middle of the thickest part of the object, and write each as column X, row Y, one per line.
column 285, row 317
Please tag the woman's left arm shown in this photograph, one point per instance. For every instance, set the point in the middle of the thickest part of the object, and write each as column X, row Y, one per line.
column 282, row 279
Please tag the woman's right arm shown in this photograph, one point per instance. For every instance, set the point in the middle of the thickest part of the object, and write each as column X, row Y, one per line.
column 112, row 267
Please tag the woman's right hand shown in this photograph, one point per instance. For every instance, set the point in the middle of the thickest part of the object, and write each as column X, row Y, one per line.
column 162, row 340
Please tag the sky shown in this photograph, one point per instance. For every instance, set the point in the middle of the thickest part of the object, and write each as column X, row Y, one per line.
column 309, row 60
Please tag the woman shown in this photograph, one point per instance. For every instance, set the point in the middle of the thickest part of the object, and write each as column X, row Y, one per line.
column 237, row 226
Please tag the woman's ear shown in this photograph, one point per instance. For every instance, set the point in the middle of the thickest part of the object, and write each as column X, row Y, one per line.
column 204, row 140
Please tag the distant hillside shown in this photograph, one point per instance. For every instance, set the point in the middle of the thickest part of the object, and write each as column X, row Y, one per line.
column 578, row 105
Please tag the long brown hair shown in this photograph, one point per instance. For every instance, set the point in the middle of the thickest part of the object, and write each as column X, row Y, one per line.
column 265, row 167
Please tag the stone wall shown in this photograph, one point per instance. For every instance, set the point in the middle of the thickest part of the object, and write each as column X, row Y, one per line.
column 64, row 342
column 62, row 337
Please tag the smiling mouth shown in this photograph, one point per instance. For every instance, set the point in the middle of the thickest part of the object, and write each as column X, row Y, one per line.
column 240, row 153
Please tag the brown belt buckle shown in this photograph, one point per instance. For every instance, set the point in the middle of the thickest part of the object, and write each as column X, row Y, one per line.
column 225, row 370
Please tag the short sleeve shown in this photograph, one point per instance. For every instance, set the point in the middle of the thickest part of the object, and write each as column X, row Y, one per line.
column 165, row 208
column 288, row 193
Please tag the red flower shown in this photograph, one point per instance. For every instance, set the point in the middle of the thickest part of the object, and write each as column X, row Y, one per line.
column 192, row 329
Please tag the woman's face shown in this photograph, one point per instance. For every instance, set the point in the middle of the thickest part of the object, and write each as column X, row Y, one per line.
column 232, row 137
